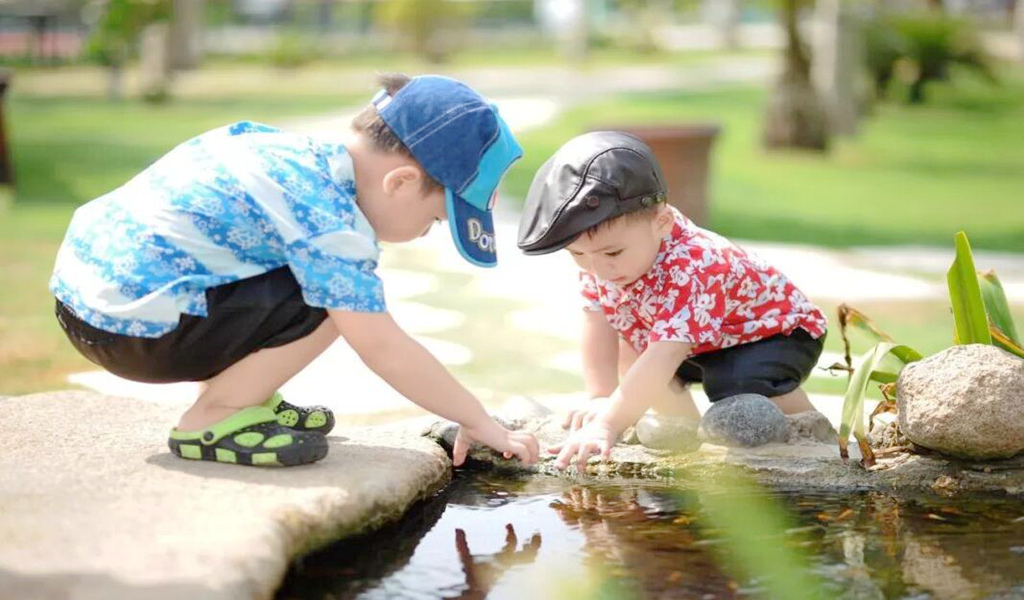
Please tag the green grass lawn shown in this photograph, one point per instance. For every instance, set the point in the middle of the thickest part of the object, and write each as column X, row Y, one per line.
column 70, row 150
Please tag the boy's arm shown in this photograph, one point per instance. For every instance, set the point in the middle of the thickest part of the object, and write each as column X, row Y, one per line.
column 600, row 352
column 650, row 374
column 409, row 368
column 600, row 355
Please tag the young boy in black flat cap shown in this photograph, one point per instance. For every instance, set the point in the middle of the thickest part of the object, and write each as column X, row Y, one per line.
column 667, row 303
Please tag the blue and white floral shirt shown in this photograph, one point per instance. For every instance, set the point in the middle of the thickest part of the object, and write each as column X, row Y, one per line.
column 233, row 203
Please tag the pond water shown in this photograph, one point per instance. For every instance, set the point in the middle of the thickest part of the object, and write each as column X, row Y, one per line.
column 544, row 537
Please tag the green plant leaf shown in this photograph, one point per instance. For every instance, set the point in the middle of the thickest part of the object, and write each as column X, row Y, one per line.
column 853, row 404
column 996, row 306
column 965, row 296
column 1000, row 340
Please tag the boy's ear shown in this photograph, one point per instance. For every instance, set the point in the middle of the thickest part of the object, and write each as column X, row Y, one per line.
column 664, row 220
column 402, row 179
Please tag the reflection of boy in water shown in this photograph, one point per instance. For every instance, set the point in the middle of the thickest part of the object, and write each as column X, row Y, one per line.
column 627, row 536
column 484, row 571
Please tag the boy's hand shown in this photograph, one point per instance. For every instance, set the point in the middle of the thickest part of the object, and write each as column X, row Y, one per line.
column 596, row 437
column 509, row 443
column 578, row 417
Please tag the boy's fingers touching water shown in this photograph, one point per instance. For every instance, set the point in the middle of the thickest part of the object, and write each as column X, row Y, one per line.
column 520, row 444
column 593, row 438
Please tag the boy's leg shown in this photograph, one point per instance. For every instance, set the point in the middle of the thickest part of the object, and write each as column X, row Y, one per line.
column 252, row 380
column 773, row 367
column 793, row 402
column 676, row 401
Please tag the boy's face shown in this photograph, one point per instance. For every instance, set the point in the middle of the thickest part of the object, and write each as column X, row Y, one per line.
column 624, row 251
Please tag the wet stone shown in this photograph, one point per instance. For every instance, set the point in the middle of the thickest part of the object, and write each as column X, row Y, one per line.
column 663, row 432
column 745, row 420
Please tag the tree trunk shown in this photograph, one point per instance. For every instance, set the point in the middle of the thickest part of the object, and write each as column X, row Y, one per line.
column 837, row 61
column 115, row 82
column 186, row 36
column 724, row 16
column 578, row 37
column 1018, row 20
column 795, row 117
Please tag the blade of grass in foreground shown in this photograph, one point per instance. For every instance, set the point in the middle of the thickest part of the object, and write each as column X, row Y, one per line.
column 965, row 296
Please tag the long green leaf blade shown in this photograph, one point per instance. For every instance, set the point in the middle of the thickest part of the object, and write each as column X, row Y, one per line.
column 866, row 370
column 996, row 305
column 965, row 296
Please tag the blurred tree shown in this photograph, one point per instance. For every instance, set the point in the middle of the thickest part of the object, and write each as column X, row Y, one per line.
column 1018, row 20
column 795, row 116
column 419, row 22
column 920, row 49
column 118, row 31
column 186, row 33
column 725, row 15
column 838, row 62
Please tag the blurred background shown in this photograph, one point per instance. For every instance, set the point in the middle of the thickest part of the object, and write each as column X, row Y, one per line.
column 846, row 140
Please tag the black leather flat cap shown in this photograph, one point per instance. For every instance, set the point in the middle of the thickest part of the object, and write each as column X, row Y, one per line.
column 592, row 178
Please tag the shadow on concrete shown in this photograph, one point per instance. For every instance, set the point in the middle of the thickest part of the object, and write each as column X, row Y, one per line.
column 343, row 457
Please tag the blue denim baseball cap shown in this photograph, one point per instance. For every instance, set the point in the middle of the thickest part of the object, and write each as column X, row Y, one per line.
column 461, row 141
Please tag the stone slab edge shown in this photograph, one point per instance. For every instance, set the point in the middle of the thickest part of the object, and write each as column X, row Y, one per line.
column 96, row 507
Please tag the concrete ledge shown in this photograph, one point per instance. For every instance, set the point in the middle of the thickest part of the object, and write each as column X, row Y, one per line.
column 95, row 506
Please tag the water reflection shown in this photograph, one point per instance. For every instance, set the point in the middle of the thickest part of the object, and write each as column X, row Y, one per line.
column 643, row 537
column 483, row 571
column 549, row 538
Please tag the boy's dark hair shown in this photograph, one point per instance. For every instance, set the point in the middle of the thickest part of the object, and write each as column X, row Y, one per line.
column 641, row 214
column 370, row 124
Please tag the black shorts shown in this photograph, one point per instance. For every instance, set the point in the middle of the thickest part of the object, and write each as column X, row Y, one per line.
column 770, row 367
column 265, row 311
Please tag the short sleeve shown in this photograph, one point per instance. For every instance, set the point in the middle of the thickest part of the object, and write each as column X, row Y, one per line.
column 690, row 309
column 591, row 300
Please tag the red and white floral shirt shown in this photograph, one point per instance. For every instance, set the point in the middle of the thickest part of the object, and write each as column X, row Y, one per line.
column 706, row 291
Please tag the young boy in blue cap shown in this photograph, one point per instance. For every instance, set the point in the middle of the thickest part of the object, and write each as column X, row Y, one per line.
column 666, row 302
column 245, row 252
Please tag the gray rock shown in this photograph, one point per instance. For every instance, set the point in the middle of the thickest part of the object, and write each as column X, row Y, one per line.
column 444, row 433
column 966, row 401
column 887, row 435
column 629, row 436
column 517, row 410
column 810, row 425
column 95, row 506
column 663, row 432
column 746, row 420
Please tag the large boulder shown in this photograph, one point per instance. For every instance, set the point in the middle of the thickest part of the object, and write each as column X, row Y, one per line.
column 744, row 420
column 966, row 401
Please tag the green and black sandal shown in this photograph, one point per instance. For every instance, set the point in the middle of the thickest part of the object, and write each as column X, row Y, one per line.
column 313, row 418
column 252, row 436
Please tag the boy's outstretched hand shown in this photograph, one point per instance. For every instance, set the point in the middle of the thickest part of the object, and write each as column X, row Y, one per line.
column 509, row 443
column 593, row 438
column 579, row 417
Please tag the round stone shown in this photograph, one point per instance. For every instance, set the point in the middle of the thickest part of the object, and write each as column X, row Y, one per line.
column 663, row 432
column 745, row 420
